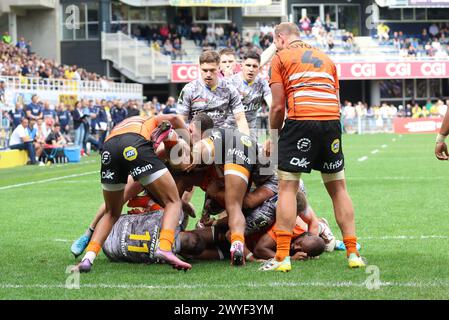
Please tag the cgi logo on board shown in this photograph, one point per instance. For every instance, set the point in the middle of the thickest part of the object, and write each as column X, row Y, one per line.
column 433, row 69
column 186, row 72
column 399, row 69
column 363, row 69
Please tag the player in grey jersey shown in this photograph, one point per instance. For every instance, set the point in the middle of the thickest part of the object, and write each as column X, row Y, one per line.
column 213, row 96
column 254, row 91
column 134, row 238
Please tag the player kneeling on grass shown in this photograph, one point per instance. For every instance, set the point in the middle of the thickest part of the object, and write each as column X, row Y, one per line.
column 129, row 151
column 134, row 239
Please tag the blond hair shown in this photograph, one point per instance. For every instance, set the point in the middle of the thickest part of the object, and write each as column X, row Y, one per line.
column 287, row 28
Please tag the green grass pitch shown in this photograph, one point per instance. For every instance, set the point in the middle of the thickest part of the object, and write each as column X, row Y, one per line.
column 400, row 194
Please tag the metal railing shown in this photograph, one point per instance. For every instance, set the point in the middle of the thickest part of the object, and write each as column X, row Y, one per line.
column 136, row 58
column 28, row 84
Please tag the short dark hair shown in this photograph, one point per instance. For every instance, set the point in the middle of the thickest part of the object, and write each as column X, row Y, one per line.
column 203, row 121
column 209, row 56
column 252, row 55
column 313, row 245
column 227, row 51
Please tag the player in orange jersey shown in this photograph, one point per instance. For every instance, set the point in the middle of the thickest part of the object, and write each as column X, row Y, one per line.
column 307, row 80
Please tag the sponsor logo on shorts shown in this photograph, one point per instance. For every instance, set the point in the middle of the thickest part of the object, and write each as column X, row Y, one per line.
column 130, row 153
column 139, row 170
column 239, row 154
column 106, row 157
column 108, row 175
column 246, row 141
column 302, row 163
column 304, row 144
column 333, row 165
column 335, row 146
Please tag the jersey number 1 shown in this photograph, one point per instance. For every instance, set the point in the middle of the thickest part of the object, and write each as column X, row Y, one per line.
column 139, row 237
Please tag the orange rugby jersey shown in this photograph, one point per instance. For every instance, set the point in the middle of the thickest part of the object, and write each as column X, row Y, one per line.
column 140, row 125
column 310, row 82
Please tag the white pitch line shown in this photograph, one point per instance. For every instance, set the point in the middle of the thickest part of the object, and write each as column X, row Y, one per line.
column 47, row 180
column 347, row 284
column 63, row 240
column 363, row 158
column 375, row 151
column 422, row 237
column 394, row 139
column 384, row 146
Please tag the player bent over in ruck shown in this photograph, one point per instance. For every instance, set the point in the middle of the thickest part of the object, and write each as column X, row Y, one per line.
column 129, row 151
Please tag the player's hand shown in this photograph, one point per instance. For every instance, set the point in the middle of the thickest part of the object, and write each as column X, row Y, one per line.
column 267, row 148
column 299, row 256
column 441, row 151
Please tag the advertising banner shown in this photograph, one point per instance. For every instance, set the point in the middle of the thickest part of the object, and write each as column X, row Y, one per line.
column 420, row 125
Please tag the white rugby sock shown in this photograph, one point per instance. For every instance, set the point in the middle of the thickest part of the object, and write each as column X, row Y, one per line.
column 91, row 256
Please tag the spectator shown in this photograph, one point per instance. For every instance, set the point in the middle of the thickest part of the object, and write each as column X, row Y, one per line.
column 156, row 104
column 20, row 140
column 118, row 113
column 34, row 109
column 416, row 111
column 305, row 24
column 63, row 118
column 49, row 115
column 6, row 38
column 328, row 23
column 102, row 124
column 78, row 124
column 177, row 49
column 170, row 106
column 408, row 110
column 2, row 93
column 434, row 30
column 21, row 44
column 17, row 115
column 348, row 41
column 330, row 41
column 424, row 36
column 55, row 137
column 383, row 32
column 133, row 109
column 219, row 34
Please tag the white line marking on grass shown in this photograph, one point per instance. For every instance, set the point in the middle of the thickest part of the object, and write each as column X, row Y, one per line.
column 394, row 139
column 363, row 158
column 47, row 180
column 422, row 237
column 375, row 151
column 347, row 284
column 384, row 146
column 63, row 240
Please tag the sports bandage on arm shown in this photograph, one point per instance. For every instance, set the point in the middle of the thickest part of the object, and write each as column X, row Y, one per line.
column 440, row 138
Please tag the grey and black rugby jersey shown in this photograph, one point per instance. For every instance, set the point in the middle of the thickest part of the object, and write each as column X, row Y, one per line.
column 135, row 238
column 252, row 96
column 219, row 103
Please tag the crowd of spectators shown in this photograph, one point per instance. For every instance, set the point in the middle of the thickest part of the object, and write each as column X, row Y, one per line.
column 18, row 60
column 85, row 124
column 433, row 41
column 380, row 118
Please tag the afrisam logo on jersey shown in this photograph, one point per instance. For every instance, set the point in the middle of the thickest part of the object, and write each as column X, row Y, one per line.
column 335, row 146
column 246, row 141
column 130, row 153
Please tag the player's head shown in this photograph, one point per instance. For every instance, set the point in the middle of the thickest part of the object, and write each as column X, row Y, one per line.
column 209, row 67
column 313, row 246
column 191, row 243
column 200, row 123
column 228, row 60
column 284, row 33
column 251, row 66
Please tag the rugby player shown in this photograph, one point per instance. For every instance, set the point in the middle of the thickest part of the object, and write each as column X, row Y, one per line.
column 128, row 150
column 253, row 90
column 306, row 79
column 238, row 153
column 133, row 188
column 211, row 95
column 441, row 147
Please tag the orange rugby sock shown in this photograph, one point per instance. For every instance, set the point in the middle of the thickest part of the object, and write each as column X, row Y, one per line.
column 237, row 237
column 351, row 245
column 283, row 239
column 166, row 239
column 94, row 247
